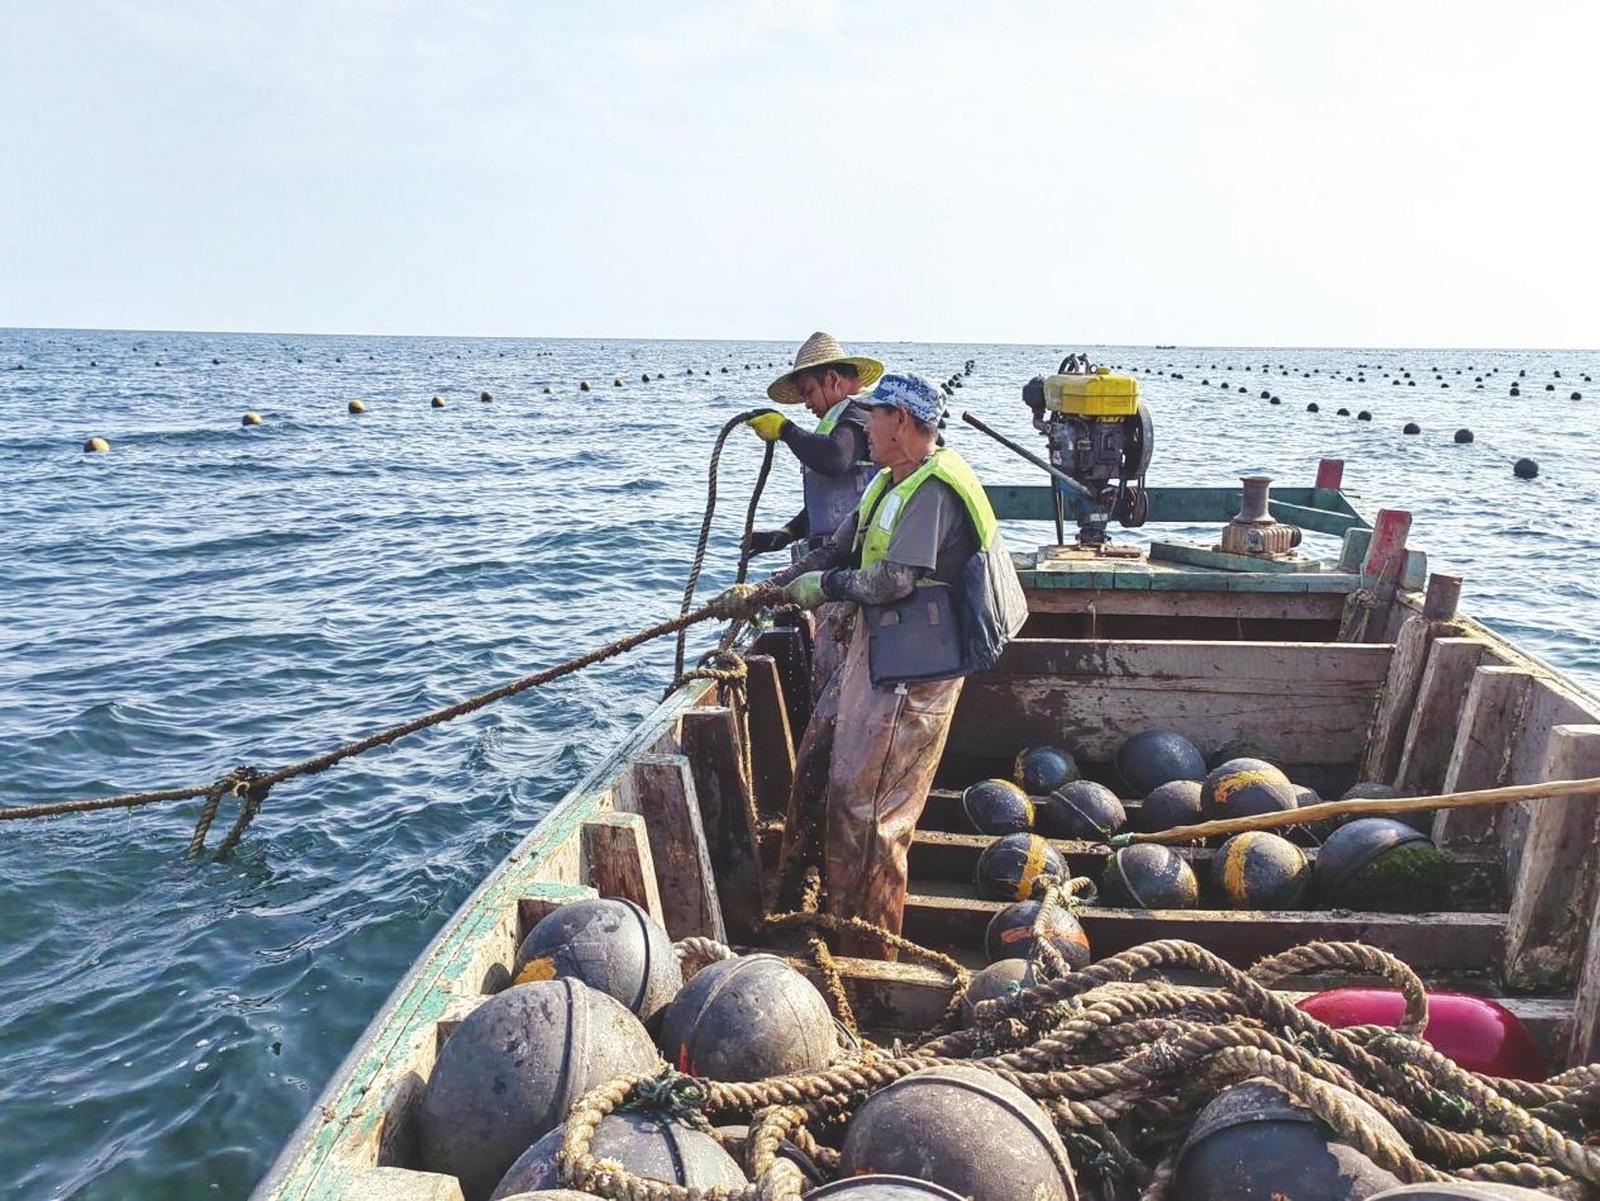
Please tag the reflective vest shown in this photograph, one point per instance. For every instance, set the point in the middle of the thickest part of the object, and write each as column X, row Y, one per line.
column 878, row 515
column 831, row 499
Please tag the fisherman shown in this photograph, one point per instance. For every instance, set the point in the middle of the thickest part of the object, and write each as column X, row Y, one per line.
column 922, row 559
column 834, row 469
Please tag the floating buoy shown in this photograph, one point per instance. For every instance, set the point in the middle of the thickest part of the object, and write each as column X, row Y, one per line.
column 1251, row 1143
column 513, row 1068
column 437, row 402
column 1549, row 387
column 583, row 386
column 1013, row 865
column 645, row 378
column 1576, row 396
column 1244, row 788
column 1342, row 413
column 356, row 406
column 1378, row 863
column 996, row 980
column 1394, row 383
column 215, row 362
column 1274, row 401
column 1148, row 876
column 1257, row 870
column 994, row 1142
column 548, row 391
column 1515, row 391
column 1009, row 934
column 1477, row 1033
column 1411, row 383
column 649, row 1146
column 1205, row 382
column 1225, row 385
column 1043, row 769
column 1152, row 758
column 1083, row 810
column 1364, row 415
column 1175, row 803
column 486, row 397
column 611, row 945
column 617, row 383
column 96, row 446
column 1411, row 427
column 1463, row 436
column 747, row 1019
column 250, row 419
column 1265, row 394
column 997, row 807
column 1313, row 407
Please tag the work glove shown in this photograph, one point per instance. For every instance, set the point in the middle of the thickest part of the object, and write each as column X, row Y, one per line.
column 764, row 542
column 737, row 603
column 805, row 590
column 769, row 426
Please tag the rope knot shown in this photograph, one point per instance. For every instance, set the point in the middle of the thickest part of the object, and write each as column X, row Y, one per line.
column 672, row 1093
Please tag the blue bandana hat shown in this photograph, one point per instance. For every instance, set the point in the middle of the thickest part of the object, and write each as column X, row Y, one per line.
column 912, row 393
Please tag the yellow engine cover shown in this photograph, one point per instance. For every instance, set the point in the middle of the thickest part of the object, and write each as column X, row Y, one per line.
column 1099, row 395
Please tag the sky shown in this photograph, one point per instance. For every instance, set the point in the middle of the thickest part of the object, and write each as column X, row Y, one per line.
column 1294, row 174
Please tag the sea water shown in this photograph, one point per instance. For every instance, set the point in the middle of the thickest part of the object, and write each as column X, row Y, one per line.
column 209, row 594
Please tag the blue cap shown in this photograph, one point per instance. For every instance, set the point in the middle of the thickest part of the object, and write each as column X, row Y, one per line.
column 912, row 393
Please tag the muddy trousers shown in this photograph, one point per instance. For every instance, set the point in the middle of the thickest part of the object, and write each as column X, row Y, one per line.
column 836, row 621
column 863, row 773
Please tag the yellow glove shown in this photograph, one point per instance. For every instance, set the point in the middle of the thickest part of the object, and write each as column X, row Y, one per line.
column 769, row 426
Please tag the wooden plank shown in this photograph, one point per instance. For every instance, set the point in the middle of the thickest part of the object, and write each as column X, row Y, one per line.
column 1552, row 702
column 1429, row 941
column 1330, row 474
column 1305, row 703
column 772, row 740
column 661, row 788
column 1392, row 717
column 1436, row 714
column 1476, row 881
column 400, row 1184
column 1583, row 1045
column 728, row 814
column 790, row 650
column 1491, row 719
column 1035, row 502
column 1553, row 893
column 1309, row 517
column 618, row 863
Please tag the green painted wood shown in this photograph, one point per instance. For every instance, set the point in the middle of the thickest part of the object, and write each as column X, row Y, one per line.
column 1032, row 502
column 1221, row 560
column 347, row 1112
column 1318, row 520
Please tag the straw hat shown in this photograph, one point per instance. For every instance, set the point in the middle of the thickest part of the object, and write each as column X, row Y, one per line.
column 822, row 350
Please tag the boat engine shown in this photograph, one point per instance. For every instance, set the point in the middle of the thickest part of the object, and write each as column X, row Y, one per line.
column 1100, row 436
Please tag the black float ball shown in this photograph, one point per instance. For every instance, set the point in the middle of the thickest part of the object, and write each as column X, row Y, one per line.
column 1148, row 876
column 1525, row 469
column 1252, row 1144
column 1342, row 413
column 1453, row 1190
column 1010, row 933
column 1577, row 396
column 747, row 1019
column 1378, row 863
column 1549, row 387
column 993, row 1142
column 1313, row 407
column 1152, row 758
column 1257, row 870
column 486, row 397
column 612, row 945
column 1176, row 803
column 1363, row 416
column 1411, row 427
column 1012, row 866
column 999, row 978
column 1043, row 769
column 1265, row 393
column 513, row 1068
column 882, row 1188
column 1082, row 810
column 649, row 1146
column 1244, row 788
column 1463, row 437
column 997, row 807
column 1274, row 401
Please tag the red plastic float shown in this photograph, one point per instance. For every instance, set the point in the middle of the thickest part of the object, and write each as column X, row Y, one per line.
column 1477, row 1033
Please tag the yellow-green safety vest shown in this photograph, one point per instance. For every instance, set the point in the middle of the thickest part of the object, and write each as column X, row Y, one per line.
column 831, row 499
column 831, row 417
column 876, row 522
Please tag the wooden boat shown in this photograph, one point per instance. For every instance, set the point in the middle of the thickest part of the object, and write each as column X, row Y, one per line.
column 680, row 818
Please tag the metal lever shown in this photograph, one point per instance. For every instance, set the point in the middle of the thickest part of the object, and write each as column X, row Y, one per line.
column 1071, row 484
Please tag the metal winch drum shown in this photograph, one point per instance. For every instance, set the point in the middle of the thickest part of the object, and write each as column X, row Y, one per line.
column 747, row 1019
column 1042, row 769
column 1176, row 803
column 1257, row 870
column 611, row 945
column 1253, row 531
column 1378, row 863
column 993, row 1142
column 1082, row 810
column 1010, row 933
column 1252, row 1144
column 512, row 1069
column 1152, row 758
column 1246, row 788
column 651, row 1147
column 997, row 807
column 996, row 980
column 1012, row 866
column 1149, row 876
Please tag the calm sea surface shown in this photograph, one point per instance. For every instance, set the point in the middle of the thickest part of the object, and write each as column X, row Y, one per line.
column 207, row 595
